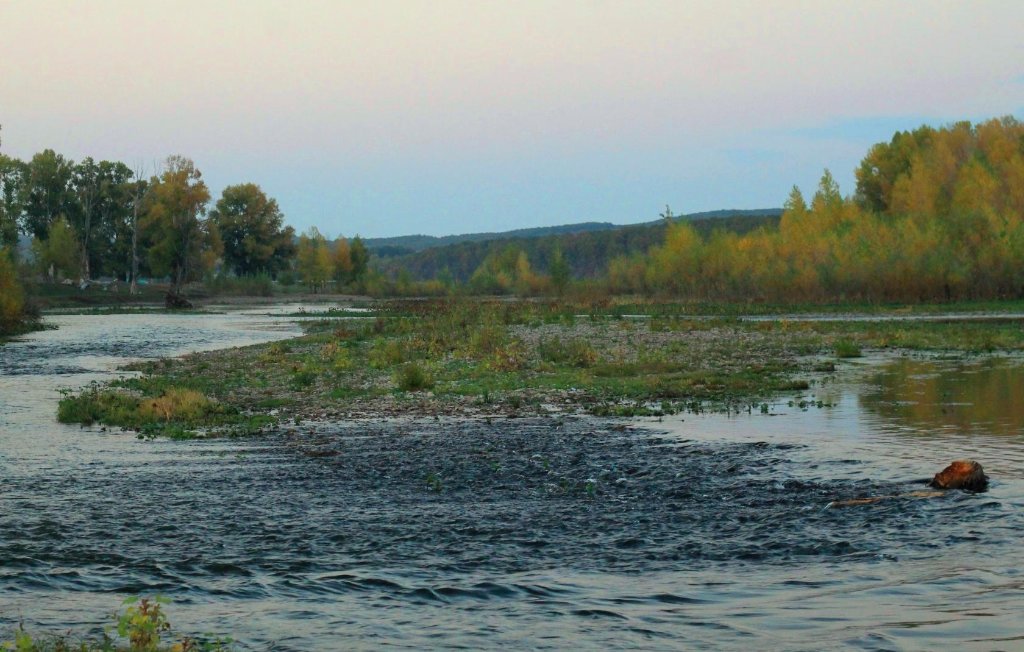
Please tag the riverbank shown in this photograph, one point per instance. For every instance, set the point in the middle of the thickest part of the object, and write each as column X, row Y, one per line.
column 475, row 358
column 114, row 297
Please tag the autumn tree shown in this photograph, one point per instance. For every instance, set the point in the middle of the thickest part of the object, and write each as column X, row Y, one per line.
column 11, row 294
column 174, row 223
column 938, row 214
column 341, row 261
column 252, row 229
column 313, row 260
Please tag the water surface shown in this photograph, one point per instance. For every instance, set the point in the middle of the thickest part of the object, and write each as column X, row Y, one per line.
column 698, row 531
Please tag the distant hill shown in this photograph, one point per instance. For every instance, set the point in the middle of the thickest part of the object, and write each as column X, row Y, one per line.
column 407, row 244
column 587, row 251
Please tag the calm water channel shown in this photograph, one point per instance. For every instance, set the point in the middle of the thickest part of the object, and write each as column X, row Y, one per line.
column 696, row 532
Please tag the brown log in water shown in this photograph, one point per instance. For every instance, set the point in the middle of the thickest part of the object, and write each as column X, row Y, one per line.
column 961, row 474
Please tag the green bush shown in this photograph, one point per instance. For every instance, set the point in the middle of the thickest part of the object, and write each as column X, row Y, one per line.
column 847, row 349
column 413, row 378
column 387, row 353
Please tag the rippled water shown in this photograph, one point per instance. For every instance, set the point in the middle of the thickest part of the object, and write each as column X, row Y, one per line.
column 700, row 531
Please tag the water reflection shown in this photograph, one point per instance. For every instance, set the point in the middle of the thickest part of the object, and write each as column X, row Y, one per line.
column 932, row 397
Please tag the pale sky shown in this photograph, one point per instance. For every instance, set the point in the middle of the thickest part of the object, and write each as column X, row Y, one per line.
column 443, row 116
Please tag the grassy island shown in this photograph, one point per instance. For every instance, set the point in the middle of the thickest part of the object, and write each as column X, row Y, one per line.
column 515, row 358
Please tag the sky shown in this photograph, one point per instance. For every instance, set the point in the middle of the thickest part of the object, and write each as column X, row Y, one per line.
column 385, row 118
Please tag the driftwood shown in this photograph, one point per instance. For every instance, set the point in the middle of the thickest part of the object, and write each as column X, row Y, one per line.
column 176, row 302
column 961, row 474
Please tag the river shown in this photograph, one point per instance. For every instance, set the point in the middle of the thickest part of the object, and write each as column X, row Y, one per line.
column 699, row 531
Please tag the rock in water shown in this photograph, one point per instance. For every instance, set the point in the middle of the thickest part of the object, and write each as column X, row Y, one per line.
column 176, row 302
column 961, row 474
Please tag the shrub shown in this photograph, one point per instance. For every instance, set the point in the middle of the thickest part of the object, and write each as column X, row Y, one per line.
column 92, row 405
column 386, row 353
column 847, row 349
column 575, row 352
column 303, row 377
column 412, row 378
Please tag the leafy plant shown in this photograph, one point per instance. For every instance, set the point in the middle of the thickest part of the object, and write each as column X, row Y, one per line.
column 143, row 622
column 412, row 377
column 386, row 353
column 847, row 349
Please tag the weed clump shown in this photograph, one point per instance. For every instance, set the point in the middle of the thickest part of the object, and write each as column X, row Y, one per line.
column 847, row 349
column 303, row 377
column 575, row 352
column 176, row 412
column 386, row 353
column 180, row 405
column 413, row 378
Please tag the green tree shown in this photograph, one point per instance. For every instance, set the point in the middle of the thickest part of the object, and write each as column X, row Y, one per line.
column 111, row 248
column 86, row 183
column 360, row 257
column 174, row 223
column 12, row 176
column 252, row 229
column 559, row 271
column 47, row 192
column 59, row 255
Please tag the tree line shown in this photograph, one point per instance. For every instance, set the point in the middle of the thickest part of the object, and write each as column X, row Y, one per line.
column 89, row 219
column 587, row 253
column 938, row 214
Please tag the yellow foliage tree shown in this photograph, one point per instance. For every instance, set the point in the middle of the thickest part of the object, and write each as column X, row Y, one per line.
column 938, row 214
column 11, row 294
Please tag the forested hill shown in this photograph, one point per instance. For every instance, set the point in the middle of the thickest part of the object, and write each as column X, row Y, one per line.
column 587, row 252
column 407, row 244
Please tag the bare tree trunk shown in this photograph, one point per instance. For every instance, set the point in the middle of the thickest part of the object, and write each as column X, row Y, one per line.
column 87, row 205
column 139, row 171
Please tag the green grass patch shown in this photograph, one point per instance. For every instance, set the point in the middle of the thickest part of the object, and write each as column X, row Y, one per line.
column 847, row 349
column 178, row 413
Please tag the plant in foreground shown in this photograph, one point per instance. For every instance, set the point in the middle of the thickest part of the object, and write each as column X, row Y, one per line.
column 142, row 623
